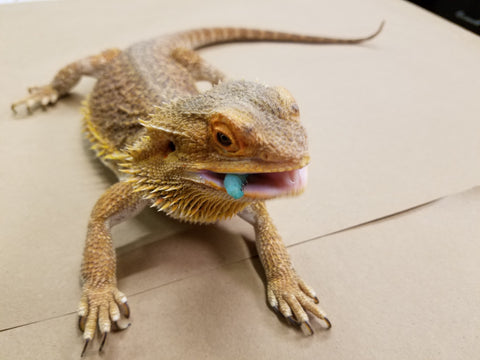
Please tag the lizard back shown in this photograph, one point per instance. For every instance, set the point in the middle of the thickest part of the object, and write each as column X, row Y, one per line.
column 147, row 74
column 126, row 91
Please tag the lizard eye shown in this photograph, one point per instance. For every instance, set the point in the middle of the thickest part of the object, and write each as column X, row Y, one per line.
column 223, row 139
column 223, row 136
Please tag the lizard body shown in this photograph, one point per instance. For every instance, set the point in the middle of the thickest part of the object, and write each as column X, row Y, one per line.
column 172, row 148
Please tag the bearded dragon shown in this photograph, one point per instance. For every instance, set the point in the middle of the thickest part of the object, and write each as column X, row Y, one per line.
column 185, row 152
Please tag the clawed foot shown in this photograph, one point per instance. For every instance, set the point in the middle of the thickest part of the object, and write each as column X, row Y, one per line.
column 39, row 96
column 103, row 307
column 291, row 298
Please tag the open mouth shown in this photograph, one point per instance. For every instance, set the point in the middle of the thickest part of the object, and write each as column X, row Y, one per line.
column 260, row 185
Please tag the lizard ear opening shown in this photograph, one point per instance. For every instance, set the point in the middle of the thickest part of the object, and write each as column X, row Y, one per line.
column 171, row 146
column 153, row 144
column 158, row 140
column 161, row 144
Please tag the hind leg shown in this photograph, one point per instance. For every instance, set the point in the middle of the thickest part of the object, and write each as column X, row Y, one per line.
column 65, row 80
column 198, row 68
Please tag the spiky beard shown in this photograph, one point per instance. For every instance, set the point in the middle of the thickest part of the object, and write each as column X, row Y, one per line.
column 184, row 199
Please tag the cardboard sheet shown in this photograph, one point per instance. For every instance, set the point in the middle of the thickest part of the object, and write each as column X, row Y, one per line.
column 392, row 124
column 402, row 288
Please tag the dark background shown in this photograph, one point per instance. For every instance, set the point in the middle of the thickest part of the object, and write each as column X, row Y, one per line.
column 465, row 13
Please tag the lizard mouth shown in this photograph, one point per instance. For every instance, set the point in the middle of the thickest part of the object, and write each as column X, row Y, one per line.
column 262, row 185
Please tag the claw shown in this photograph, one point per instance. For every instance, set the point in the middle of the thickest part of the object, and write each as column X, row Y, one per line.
column 103, row 341
column 81, row 323
column 125, row 309
column 292, row 321
column 329, row 324
column 85, row 347
column 306, row 328
column 276, row 310
column 315, row 300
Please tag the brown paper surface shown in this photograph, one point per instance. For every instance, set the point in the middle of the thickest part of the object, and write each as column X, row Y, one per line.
column 392, row 124
column 402, row 288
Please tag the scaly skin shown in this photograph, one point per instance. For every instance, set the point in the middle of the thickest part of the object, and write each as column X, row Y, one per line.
column 171, row 146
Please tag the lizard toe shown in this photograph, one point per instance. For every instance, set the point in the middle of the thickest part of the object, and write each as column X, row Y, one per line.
column 101, row 307
column 292, row 298
column 38, row 96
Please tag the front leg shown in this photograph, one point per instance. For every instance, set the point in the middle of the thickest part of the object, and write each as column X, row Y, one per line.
column 101, row 300
column 287, row 293
column 65, row 79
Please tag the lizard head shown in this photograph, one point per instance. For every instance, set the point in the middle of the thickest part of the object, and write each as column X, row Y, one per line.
column 237, row 127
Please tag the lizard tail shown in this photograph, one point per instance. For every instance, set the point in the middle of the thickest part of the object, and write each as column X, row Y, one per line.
column 198, row 38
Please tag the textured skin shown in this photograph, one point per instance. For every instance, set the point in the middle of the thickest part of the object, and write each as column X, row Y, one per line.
column 171, row 147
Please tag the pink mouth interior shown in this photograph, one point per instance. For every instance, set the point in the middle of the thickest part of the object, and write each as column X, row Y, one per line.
column 266, row 185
